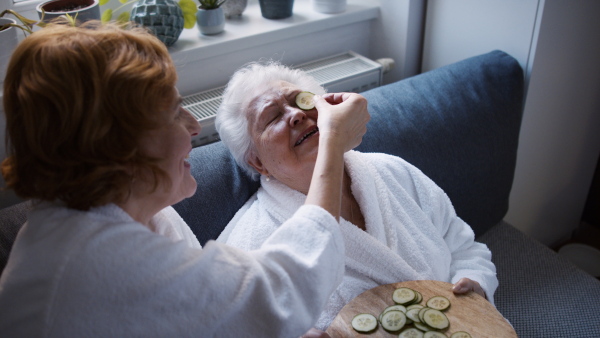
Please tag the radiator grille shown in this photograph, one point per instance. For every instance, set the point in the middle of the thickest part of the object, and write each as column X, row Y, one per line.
column 205, row 104
column 348, row 72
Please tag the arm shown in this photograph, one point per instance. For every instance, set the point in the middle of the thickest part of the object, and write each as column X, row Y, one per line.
column 154, row 286
column 342, row 123
column 471, row 268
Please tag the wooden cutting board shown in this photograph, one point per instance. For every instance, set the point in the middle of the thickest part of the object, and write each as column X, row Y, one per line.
column 471, row 312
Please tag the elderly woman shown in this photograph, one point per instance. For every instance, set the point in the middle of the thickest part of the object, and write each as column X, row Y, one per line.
column 397, row 224
column 97, row 136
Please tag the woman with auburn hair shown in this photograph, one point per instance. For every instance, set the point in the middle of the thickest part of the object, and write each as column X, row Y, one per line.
column 97, row 137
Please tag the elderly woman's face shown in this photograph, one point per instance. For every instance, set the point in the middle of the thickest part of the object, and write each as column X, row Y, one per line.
column 286, row 138
column 171, row 143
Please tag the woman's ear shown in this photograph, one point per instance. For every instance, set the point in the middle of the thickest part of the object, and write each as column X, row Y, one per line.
column 255, row 162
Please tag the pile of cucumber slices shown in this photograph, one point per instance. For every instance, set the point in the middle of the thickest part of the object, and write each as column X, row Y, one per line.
column 428, row 320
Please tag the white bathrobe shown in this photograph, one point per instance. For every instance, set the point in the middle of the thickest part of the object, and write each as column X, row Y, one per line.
column 413, row 232
column 101, row 274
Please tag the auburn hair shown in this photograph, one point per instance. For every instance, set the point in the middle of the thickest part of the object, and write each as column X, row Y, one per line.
column 77, row 101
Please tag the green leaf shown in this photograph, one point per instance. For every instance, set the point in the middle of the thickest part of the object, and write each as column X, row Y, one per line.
column 123, row 17
column 107, row 15
column 189, row 9
column 103, row 2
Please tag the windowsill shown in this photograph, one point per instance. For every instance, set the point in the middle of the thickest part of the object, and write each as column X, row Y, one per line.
column 251, row 29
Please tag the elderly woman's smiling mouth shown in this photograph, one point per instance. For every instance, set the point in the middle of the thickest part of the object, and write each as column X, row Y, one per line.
column 311, row 131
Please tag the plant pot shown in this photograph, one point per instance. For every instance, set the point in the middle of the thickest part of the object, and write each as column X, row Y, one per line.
column 8, row 41
column 210, row 21
column 163, row 17
column 84, row 9
column 329, row 6
column 276, row 9
column 234, row 8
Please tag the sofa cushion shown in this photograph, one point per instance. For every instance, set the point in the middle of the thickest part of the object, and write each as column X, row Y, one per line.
column 540, row 292
column 459, row 124
column 222, row 190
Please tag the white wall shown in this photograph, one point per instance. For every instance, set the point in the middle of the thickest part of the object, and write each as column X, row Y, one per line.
column 560, row 135
column 557, row 43
column 458, row 29
column 399, row 35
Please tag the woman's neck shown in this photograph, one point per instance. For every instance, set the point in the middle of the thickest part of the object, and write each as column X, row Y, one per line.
column 350, row 207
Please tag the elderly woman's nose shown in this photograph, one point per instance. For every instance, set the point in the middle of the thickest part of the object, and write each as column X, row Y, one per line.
column 296, row 116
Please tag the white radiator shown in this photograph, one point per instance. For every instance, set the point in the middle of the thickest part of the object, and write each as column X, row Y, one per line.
column 347, row 72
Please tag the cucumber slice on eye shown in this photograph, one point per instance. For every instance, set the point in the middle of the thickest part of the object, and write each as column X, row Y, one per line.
column 364, row 323
column 304, row 100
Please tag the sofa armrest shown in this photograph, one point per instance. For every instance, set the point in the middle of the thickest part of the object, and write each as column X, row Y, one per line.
column 541, row 293
column 11, row 220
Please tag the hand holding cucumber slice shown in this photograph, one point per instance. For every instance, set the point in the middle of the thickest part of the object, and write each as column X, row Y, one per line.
column 304, row 100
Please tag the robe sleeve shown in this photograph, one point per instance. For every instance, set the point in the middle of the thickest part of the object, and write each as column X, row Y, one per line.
column 278, row 290
column 470, row 259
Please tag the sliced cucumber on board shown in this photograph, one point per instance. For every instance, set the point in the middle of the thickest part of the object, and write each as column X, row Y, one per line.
column 364, row 323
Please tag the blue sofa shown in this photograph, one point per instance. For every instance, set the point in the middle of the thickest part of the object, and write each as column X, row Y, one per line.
column 460, row 125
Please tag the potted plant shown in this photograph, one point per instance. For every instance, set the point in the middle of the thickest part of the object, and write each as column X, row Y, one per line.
column 8, row 35
column 210, row 17
column 276, row 9
column 81, row 10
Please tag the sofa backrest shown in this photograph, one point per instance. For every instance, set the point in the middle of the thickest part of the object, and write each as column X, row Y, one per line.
column 459, row 124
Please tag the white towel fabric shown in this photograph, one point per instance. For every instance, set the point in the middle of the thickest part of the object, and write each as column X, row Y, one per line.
column 413, row 232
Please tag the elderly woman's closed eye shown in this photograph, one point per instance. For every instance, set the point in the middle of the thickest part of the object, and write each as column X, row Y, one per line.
column 397, row 223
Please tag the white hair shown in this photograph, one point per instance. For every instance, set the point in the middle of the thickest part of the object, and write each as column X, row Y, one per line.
column 247, row 83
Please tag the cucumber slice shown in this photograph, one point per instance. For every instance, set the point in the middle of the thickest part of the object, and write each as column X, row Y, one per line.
column 422, row 327
column 364, row 323
column 435, row 319
column 438, row 302
column 395, row 307
column 419, row 297
column 434, row 334
column 421, row 312
column 460, row 334
column 413, row 314
column 404, row 296
column 411, row 333
column 304, row 100
column 414, row 306
column 393, row 320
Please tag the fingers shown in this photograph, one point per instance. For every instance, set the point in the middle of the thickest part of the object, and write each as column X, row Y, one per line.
column 343, row 116
column 465, row 285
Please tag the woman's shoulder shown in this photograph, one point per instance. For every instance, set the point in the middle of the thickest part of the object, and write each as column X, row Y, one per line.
column 384, row 162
